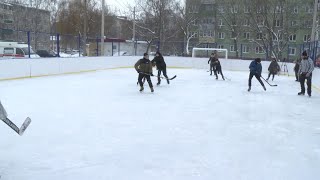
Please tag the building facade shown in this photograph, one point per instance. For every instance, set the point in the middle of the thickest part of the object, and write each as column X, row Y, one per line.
column 255, row 28
column 16, row 20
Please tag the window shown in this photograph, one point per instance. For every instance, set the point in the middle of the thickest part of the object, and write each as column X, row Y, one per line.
column 207, row 20
column 209, row 7
column 278, row 9
column 195, row 22
column 260, row 9
column 295, row 10
column 259, row 36
column 259, row 50
column 292, row 51
column 221, row 22
column 245, row 49
column 246, row 35
column 221, row 35
column 277, row 23
column 233, row 23
column 277, row 37
column 234, row 9
column 232, row 49
column 8, row 51
column 221, row 9
column 246, row 22
column 246, row 9
column 292, row 37
column 293, row 23
column 308, row 23
column 306, row 38
column 205, row 34
column 233, row 35
column 19, row 52
column 193, row 9
column 193, row 34
column 220, row 46
column 260, row 21
column 309, row 9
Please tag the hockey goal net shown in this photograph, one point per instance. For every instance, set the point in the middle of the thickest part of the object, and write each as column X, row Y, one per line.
column 200, row 51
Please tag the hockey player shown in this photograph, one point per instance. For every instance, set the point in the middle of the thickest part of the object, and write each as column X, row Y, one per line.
column 144, row 68
column 211, row 61
column 305, row 72
column 256, row 70
column 273, row 69
column 217, row 67
column 296, row 69
column 161, row 66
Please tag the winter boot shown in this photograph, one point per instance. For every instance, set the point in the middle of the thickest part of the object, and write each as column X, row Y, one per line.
column 151, row 88
column 249, row 89
column 141, row 89
column 301, row 93
column 158, row 83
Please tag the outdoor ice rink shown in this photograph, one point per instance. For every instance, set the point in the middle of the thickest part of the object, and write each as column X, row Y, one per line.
column 98, row 125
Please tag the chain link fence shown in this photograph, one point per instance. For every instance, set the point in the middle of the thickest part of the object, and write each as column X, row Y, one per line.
column 72, row 45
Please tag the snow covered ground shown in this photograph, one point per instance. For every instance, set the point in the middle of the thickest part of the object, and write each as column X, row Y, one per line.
column 99, row 126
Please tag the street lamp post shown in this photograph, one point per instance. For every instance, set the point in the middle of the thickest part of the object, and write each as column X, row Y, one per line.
column 314, row 21
column 102, row 30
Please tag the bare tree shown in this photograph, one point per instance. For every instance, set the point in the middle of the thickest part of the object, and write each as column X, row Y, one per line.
column 230, row 16
column 270, row 22
column 187, row 24
column 156, row 20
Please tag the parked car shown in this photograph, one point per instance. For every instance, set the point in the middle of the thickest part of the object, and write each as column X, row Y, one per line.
column 45, row 53
column 16, row 50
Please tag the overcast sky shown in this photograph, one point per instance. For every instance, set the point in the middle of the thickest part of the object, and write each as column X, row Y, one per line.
column 122, row 4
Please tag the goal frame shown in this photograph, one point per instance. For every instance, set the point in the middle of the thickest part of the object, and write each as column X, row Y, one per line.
column 210, row 49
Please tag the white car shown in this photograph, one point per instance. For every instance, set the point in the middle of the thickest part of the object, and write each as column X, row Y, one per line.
column 16, row 50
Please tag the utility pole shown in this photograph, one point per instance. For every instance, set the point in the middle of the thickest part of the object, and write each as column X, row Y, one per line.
column 134, row 31
column 314, row 21
column 102, row 30
column 84, row 47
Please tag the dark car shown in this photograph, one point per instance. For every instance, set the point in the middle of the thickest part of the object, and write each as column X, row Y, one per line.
column 45, row 53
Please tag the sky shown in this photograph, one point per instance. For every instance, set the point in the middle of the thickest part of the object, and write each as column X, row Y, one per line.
column 121, row 5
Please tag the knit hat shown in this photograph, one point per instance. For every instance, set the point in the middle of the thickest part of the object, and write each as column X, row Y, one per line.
column 258, row 60
column 145, row 54
column 304, row 53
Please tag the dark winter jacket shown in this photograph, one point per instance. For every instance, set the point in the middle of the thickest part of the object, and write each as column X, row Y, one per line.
column 212, row 59
column 274, row 67
column 255, row 68
column 144, row 65
column 159, row 61
column 216, row 64
column 296, row 66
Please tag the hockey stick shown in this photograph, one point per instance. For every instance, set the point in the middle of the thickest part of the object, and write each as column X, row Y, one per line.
column 268, row 82
column 23, row 127
column 227, row 78
column 5, row 119
column 160, row 76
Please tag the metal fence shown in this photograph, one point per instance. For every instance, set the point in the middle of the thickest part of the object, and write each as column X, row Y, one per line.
column 72, row 45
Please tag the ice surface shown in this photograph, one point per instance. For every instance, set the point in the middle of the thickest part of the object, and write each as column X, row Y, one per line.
column 99, row 126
